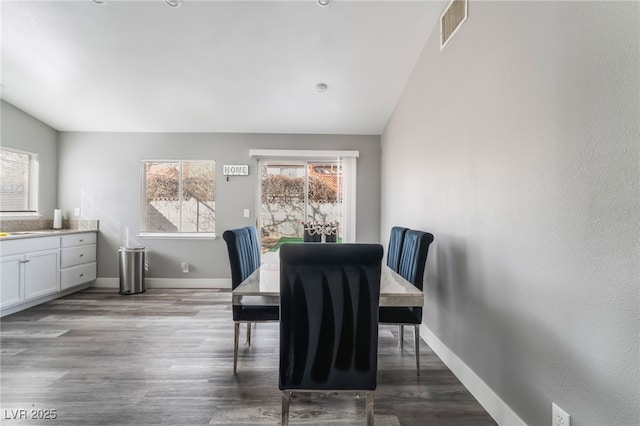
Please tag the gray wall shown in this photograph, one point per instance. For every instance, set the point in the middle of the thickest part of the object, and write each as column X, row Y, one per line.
column 518, row 148
column 100, row 172
column 24, row 132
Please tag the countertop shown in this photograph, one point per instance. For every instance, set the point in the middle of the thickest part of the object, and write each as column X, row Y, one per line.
column 6, row 236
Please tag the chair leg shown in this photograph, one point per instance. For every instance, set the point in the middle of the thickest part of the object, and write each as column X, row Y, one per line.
column 249, row 333
column 416, row 335
column 402, row 336
column 286, row 396
column 236, row 337
column 370, row 398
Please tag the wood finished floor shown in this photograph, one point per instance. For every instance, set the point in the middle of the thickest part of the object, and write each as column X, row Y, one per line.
column 165, row 357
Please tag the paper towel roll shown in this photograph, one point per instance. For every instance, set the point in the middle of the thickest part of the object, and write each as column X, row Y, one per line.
column 57, row 219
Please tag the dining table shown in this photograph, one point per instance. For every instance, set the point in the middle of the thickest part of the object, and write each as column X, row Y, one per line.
column 262, row 287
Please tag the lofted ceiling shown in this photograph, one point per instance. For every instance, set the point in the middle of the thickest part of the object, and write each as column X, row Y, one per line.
column 211, row 66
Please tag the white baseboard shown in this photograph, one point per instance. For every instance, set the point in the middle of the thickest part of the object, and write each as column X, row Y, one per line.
column 224, row 283
column 491, row 402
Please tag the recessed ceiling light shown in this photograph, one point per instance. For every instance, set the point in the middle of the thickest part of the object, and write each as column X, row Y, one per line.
column 321, row 87
column 173, row 3
column 324, row 3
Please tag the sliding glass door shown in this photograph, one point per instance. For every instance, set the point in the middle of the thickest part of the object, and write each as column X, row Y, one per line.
column 297, row 191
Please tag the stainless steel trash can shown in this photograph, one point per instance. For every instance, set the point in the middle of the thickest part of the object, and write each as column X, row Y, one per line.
column 132, row 270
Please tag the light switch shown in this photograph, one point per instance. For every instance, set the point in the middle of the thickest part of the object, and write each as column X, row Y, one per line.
column 76, row 211
column 246, row 212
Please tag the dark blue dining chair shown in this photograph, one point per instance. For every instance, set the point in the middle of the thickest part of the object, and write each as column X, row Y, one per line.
column 411, row 266
column 244, row 259
column 396, row 239
column 329, row 300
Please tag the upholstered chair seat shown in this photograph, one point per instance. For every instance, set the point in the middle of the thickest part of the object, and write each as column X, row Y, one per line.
column 400, row 315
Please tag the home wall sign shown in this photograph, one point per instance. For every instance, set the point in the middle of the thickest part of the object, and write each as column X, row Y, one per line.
column 235, row 170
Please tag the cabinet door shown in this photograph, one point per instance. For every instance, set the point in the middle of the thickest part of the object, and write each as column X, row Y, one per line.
column 10, row 288
column 41, row 276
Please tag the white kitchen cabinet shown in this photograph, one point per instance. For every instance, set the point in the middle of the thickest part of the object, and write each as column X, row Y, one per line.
column 11, row 291
column 78, row 259
column 36, row 269
column 29, row 269
column 41, row 274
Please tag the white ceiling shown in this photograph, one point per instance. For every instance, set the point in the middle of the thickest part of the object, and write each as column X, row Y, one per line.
column 212, row 66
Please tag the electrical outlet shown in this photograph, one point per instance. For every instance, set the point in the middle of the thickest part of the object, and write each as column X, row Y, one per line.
column 246, row 212
column 559, row 417
column 185, row 267
column 76, row 211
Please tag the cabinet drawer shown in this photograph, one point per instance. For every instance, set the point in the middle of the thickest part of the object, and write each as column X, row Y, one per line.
column 77, row 275
column 78, row 255
column 29, row 245
column 78, row 239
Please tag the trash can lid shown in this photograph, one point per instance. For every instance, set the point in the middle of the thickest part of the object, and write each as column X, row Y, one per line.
column 132, row 249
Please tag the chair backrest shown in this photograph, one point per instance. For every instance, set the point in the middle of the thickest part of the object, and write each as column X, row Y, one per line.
column 244, row 252
column 329, row 300
column 255, row 244
column 396, row 239
column 414, row 256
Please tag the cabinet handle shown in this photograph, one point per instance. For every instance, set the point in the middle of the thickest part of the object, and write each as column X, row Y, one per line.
column 81, row 275
column 25, row 261
column 81, row 255
column 81, row 240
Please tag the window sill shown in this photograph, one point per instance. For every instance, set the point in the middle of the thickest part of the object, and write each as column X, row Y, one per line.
column 13, row 215
column 177, row 235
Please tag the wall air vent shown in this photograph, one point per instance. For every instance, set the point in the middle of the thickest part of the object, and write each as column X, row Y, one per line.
column 451, row 20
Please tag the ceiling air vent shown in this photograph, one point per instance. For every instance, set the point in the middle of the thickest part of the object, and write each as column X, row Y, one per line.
column 451, row 19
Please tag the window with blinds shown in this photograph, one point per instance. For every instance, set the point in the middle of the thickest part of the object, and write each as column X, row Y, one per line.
column 18, row 181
